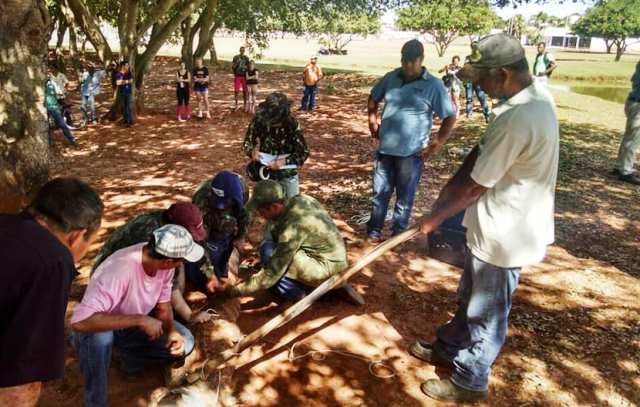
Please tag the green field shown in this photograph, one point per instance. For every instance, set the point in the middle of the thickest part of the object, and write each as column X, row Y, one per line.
column 376, row 56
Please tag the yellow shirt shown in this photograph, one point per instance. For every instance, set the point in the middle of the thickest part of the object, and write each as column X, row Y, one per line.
column 312, row 74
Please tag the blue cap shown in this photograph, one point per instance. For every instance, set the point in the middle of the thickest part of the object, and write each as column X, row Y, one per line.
column 226, row 189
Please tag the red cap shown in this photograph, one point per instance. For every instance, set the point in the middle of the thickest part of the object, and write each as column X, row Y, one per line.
column 189, row 216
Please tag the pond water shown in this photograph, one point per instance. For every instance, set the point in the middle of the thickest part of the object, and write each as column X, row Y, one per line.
column 612, row 93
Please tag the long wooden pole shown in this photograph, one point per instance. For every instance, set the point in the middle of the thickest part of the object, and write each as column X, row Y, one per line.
column 304, row 303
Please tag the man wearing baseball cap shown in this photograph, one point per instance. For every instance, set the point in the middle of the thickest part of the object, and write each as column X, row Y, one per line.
column 411, row 97
column 127, row 304
column 306, row 249
column 507, row 186
column 138, row 229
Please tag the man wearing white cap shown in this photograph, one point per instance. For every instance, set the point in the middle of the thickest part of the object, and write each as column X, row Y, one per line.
column 127, row 304
column 507, row 186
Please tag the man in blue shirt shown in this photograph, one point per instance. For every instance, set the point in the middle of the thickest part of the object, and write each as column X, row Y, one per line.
column 411, row 96
column 123, row 80
column 631, row 140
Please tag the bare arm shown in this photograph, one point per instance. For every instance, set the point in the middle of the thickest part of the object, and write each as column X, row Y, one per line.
column 180, row 305
column 372, row 111
column 458, row 194
column 108, row 322
column 164, row 313
column 446, row 129
column 552, row 66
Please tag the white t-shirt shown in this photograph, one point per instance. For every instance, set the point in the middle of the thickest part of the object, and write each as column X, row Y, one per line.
column 513, row 221
column 61, row 80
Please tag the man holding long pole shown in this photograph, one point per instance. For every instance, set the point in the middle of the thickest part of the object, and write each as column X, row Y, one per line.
column 507, row 186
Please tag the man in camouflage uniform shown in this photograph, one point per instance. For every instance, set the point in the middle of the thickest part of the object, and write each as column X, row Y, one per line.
column 221, row 200
column 275, row 131
column 307, row 248
column 140, row 228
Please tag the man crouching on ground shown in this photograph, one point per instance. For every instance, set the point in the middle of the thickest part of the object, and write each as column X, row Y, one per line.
column 306, row 249
column 116, row 310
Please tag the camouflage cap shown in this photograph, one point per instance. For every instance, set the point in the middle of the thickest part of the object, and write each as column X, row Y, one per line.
column 265, row 193
column 274, row 109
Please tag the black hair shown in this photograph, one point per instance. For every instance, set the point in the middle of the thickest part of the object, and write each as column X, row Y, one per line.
column 412, row 50
column 543, row 43
column 151, row 244
column 70, row 204
column 123, row 62
column 521, row 66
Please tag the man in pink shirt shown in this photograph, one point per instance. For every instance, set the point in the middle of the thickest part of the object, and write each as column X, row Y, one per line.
column 127, row 304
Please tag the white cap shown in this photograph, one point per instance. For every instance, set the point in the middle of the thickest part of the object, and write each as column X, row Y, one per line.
column 174, row 241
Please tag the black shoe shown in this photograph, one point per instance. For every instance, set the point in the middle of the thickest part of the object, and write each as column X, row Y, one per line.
column 425, row 351
column 630, row 178
column 616, row 172
column 446, row 390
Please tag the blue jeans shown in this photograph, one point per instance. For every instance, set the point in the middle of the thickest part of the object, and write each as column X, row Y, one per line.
column 286, row 288
column 469, row 88
column 475, row 335
column 59, row 121
column 399, row 174
column 89, row 107
column 126, row 108
column 309, row 97
column 137, row 352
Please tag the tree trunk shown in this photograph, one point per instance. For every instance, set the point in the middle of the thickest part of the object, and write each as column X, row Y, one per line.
column 608, row 44
column 212, row 52
column 91, row 29
column 620, row 48
column 24, row 151
column 62, row 29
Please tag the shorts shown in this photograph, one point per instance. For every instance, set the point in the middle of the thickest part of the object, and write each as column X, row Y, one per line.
column 200, row 88
column 239, row 82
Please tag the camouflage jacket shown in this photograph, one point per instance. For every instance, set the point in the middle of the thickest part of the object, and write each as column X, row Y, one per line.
column 309, row 248
column 136, row 230
column 201, row 200
column 286, row 139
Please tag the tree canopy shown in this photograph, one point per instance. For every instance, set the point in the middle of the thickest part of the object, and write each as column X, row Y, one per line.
column 337, row 28
column 447, row 19
column 613, row 20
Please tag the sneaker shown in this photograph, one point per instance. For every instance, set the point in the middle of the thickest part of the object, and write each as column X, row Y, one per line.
column 351, row 295
column 425, row 351
column 616, row 172
column 374, row 238
column 632, row 178
column 446, row 390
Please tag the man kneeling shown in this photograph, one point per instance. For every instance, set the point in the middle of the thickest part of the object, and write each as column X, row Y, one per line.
column 306, row 249
column 115, row 310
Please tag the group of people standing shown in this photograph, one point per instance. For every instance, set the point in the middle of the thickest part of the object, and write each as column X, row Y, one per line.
column 59, row 109
column 505, row 187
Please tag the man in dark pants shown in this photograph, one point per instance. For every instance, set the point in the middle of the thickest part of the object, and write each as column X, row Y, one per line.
column 38, row 249
column 507, row 186
column 124, row 80
column 470, row 88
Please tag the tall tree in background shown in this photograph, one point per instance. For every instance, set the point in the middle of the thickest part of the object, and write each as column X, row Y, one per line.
column 446, row 20
column 516, row 26
column 338, row 27
column 24, row 151
column 613, row 20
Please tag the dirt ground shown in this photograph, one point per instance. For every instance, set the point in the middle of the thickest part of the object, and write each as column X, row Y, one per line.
column 574, row 336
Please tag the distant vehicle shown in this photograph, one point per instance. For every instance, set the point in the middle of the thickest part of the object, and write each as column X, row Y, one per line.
column 332, row 51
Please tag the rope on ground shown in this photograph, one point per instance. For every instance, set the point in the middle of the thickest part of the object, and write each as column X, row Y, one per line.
column 321, row 354
column 362, row 218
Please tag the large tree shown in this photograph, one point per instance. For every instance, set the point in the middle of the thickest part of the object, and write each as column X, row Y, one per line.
column 446, row 20
column 24, row 151
column 613, row 20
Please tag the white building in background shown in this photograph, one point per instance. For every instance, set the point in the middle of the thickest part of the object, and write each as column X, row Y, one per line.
column 563, row 37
